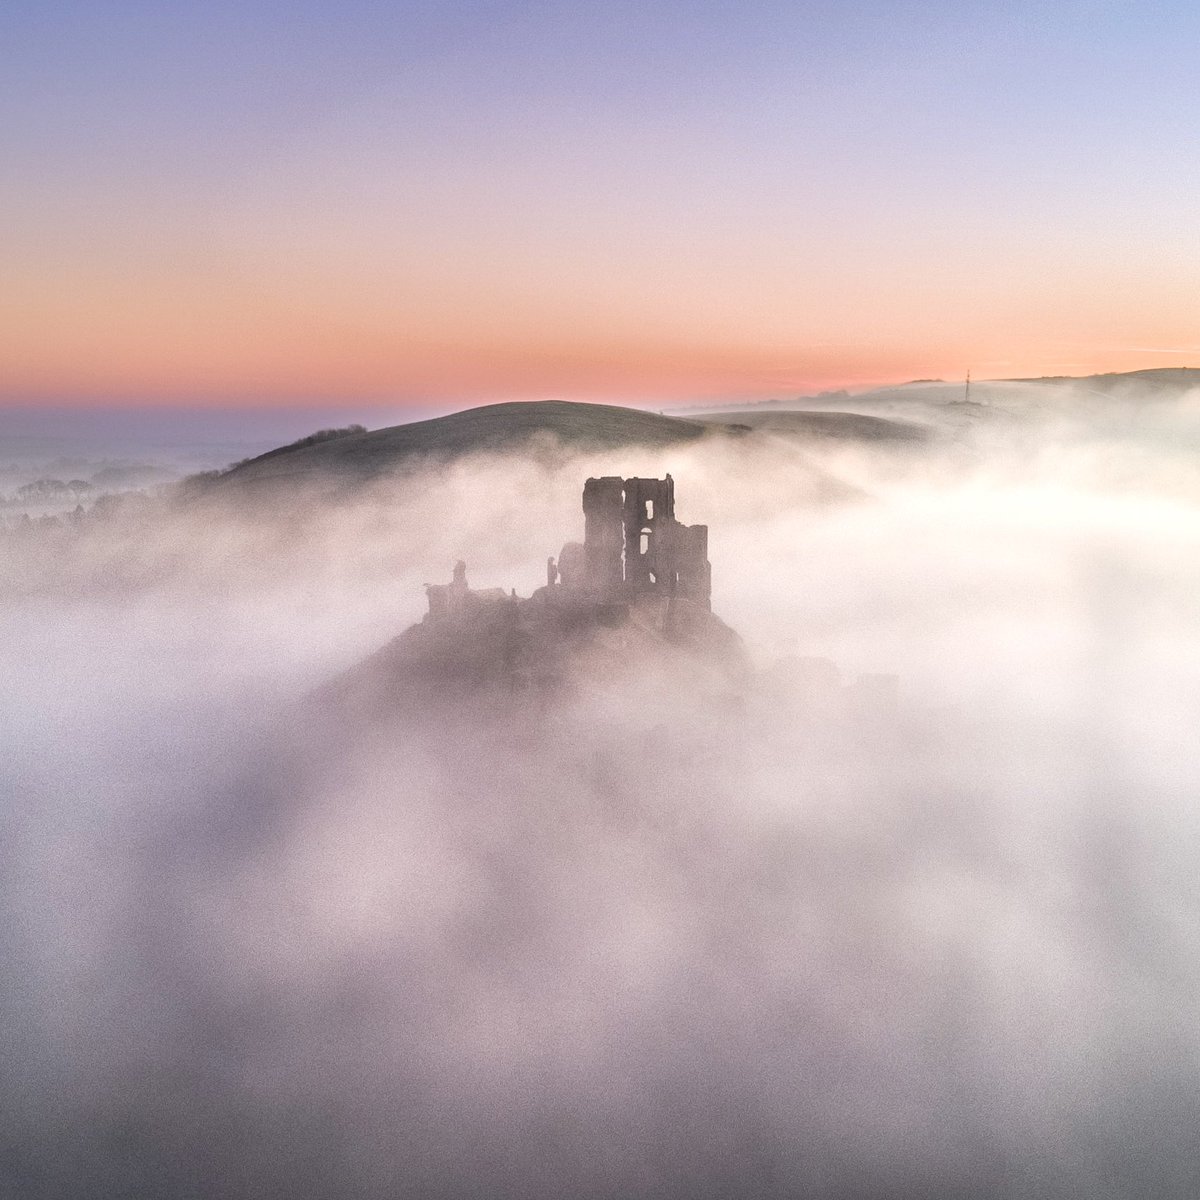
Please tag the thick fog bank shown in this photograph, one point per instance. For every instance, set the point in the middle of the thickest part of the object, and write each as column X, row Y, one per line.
column 657, row 937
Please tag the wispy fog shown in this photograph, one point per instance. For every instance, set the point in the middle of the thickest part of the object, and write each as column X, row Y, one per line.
column 776, row 937
column 44, row 450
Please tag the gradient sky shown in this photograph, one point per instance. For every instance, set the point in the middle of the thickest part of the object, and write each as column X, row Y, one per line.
column 404, row 202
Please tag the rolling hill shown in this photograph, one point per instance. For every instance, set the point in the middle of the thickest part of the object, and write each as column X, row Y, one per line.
column 491, row 427
column 362, row 454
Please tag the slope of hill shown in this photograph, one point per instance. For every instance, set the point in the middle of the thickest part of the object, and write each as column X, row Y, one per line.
column 1162, row 379
column 945, row 401
column 491, row 427
column 539, row 650
column 360, row 454
column 822, row 424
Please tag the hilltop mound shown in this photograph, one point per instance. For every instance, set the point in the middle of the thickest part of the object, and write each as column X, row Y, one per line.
column 533, row 653
column 634, row 596
column 350, row 456
column 491, row 427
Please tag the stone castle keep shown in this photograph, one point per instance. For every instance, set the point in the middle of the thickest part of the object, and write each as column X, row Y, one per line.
column 633, row 549
column 632, row 544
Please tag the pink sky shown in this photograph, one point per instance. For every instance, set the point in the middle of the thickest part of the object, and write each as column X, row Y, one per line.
column 664, row 205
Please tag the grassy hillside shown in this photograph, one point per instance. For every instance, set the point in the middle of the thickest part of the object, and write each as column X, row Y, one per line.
column 905, row 414
column 360, row 454
column 491, row 427
column 810, row 424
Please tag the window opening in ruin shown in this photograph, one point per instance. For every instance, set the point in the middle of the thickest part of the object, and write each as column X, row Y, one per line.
column 649, row 510
column 645, row 546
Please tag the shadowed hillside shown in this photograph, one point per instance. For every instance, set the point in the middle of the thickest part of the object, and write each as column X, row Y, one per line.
column 489, row 428
column 355, row 455
column 836, row 425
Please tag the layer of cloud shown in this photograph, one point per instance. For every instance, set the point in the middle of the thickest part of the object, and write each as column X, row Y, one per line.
column 648, row 940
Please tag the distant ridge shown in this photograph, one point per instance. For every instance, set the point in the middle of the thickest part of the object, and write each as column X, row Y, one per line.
column 811, row 423
column 358, row 454
column 903, row 414
column 1172, row 377
column 940, row 392
column 490, row 427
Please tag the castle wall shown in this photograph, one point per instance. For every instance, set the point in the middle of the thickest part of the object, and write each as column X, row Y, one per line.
column 604, row 536
column 649, row 509
column 633, row 544
column 633, row 547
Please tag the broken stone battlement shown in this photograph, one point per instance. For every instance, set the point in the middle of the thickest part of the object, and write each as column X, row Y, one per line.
column 633, row 549
column 629, row 601
column 634, row 546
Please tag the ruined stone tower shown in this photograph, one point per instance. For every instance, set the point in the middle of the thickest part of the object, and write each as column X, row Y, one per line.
column 633, row 545
column 603, row 535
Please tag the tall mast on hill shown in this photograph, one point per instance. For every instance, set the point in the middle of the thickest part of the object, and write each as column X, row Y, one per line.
column 967, row 394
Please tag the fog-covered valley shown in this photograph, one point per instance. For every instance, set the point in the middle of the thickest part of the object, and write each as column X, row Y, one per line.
column 667, row 933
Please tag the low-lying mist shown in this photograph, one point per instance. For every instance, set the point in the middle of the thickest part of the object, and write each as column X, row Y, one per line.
column 765, row 939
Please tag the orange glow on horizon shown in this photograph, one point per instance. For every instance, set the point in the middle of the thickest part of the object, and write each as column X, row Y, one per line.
column 763, row 203
column 274, row 330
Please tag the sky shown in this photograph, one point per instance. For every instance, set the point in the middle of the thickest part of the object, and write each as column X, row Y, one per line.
column 419, row 203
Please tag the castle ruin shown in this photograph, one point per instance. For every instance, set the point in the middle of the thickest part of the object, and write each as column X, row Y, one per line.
column 633, row 549
column 634, row 546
